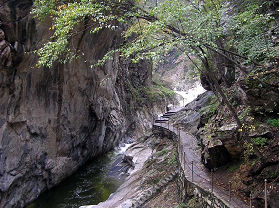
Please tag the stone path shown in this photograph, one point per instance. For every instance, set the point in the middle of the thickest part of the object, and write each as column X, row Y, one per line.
column 149, row 193
column 190, row 152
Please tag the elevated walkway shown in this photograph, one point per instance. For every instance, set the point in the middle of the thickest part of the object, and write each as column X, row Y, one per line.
column 194, row 170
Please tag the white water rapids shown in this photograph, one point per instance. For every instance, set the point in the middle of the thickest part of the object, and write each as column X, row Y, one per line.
column 191, row 94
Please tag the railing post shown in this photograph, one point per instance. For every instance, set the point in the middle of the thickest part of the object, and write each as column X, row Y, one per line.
column 230, row 190
column 180, row 153
column 212, row 180
column 178, row 150
column 192, row 171
column 250, row 200
column 184, row 160
column 182, row 157
column 265, row 193
column 183, row 102
column 168, row 124
column 179, row 134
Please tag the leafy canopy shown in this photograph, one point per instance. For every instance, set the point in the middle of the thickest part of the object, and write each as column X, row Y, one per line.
column 190, row 25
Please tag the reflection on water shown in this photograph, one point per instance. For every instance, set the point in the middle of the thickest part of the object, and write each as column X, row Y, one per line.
column 92, row 184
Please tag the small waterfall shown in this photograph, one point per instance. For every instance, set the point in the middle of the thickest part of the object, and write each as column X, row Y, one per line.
column 191, row 94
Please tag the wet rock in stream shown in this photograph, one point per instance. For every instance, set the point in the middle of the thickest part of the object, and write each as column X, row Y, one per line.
column 121, row 166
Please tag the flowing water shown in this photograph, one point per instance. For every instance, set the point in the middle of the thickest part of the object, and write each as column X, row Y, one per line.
column 191, row 94
column 97, row 180
column 91, row 184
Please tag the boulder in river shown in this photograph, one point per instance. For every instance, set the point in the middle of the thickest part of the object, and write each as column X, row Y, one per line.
column 122, row 165
column 128, row 160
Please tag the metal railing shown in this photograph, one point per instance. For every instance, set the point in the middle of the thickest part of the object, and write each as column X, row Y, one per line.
column 225, row 189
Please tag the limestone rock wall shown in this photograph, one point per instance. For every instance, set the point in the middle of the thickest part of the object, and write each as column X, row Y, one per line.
column 53, row 120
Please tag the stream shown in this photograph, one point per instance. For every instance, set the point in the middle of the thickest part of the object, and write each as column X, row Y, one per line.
column 91, row 184
column 98, row 179
column 191, row 94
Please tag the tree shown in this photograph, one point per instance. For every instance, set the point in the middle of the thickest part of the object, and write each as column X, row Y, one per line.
column 205, row 29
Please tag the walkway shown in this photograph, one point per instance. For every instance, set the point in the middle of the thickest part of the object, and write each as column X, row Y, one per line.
column 190, row 152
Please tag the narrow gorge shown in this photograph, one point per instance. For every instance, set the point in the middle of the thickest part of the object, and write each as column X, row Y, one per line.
column 54, row 120
column 119, row 103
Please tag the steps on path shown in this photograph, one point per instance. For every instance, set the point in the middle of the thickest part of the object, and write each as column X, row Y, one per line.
column 161, row 120
column 167, row 115
column 165, row 118
column 170, row 113
column 189, row 152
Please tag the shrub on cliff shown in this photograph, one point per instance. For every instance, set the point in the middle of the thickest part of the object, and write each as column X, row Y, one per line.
column 220, row 33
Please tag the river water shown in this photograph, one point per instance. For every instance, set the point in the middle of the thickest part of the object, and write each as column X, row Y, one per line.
column 95, row 181
column 91, row 184
column 191, row 94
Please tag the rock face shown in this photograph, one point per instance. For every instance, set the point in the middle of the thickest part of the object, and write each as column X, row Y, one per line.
column 174, row 69
column 54, row 120
column 5, row 51
column 215, row 154
column 216, row 151
column 263, row 99
column 189, row 117
column 228, row 135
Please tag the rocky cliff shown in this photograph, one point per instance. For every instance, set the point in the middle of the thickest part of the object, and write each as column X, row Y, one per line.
column 53, row 120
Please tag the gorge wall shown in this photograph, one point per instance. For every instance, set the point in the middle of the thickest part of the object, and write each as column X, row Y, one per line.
column 53, row 120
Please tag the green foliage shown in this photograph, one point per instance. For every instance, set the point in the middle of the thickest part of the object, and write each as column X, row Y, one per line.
column 172, row 160
column 181, row 205
column 193, row 72
column 166, row 91
column 251, row 82
column 65, row 18
column 162, row 152
column 155, row 30
column 273, row 122
column 249, row 150
column 249, row 28
column 244, row 113
column 212, row 107
column 259, row 141
column 194, row 203
column 43, row 8
column 151, row 94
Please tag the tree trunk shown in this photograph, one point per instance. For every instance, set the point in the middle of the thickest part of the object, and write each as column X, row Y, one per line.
column 218, row 88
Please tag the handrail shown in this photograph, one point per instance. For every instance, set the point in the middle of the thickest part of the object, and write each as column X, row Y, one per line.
column 226, row 189
column 223, row 189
